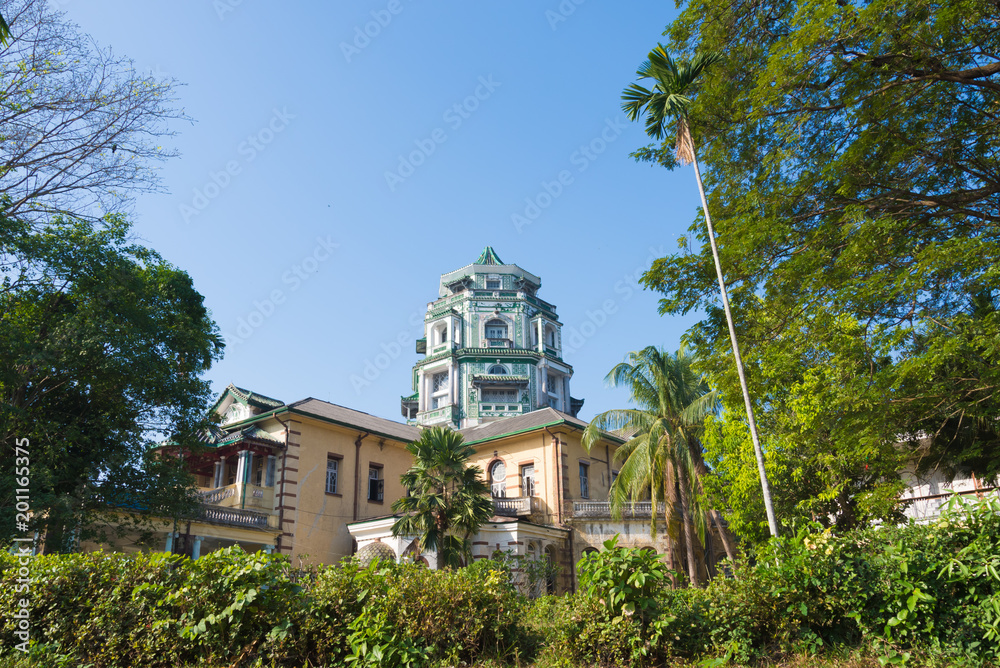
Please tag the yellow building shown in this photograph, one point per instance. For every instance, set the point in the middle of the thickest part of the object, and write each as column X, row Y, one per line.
column 316, row 481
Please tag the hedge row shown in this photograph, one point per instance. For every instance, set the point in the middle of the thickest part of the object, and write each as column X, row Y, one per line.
column 916, row 594
column 229, row 607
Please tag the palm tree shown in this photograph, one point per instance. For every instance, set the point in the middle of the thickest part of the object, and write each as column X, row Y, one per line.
column 448, row 499
column 669, row 99
column 663, row 457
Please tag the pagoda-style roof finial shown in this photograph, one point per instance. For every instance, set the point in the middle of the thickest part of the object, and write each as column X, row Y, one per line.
column 489, row 256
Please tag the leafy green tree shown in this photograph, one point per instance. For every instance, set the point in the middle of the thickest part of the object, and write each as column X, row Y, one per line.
column 668, row 100
column 852, row 155
column 662, row 460
column 101, row 347
column 448, row 501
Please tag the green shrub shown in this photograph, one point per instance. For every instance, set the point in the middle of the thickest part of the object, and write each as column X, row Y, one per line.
column 927, row 594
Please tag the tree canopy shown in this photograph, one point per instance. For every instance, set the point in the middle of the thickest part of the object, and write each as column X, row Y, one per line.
column 101, row 347
column 852, row 154
column 448, row 499
column 662, row 459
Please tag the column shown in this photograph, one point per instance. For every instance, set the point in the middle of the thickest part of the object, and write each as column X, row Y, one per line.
column 452, row 380
column 170, row 542
column 268, row 549
column 220, row 467
column 541, row 336
column 241, row 467
column 545, row 386
column 422, row 392
column 196, row 550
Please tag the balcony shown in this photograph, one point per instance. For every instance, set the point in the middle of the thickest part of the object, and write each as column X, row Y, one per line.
column 516, row 506
column 235, row 517
column 602, row 509
column 438, row 415
column 500, row 409
column 236, row 496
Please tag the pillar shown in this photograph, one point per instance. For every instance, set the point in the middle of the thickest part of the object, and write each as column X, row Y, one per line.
column 196, row 550
column 452, row 369
column 170, row 542
column 268, row 549
column 422, row 392
column 241, row 467
column 220, row 472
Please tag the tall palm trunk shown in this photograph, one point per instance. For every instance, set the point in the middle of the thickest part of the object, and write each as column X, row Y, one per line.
column 688, row 140
column 689, row 535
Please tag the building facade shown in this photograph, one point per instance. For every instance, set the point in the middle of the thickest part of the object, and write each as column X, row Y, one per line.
column 492, row 349
column 316, row 481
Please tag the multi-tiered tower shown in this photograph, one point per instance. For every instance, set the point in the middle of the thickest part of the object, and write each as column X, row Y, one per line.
column 492, row 349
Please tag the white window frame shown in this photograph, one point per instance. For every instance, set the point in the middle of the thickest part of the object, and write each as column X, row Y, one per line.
column 441, row 397
column 375, row 476
column 335, row 470
column 498, row 488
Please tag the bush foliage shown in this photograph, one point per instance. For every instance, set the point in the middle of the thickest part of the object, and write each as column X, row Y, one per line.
column 919, row 594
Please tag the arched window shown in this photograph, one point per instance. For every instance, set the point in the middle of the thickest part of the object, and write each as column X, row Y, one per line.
column 497, row 370
column 498, row 477
column 550, row 337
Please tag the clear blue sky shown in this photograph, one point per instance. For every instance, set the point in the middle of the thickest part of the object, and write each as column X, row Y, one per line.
column 333, row 110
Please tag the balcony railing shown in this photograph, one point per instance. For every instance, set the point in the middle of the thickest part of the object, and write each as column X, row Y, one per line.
column 235, row 517
column 234, row 496
column 603, row 509
column 515, row 506
column 218, row 495
column 500, row 409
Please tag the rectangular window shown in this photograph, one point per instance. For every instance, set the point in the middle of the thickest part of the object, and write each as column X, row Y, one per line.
column 271, row 466
column 332, row 471
column 492, row 283
column 258, row 470
column 584, row 481
column 500, row 396
column 528, row 480
column 440, row 387
column 376, row 486
column 231, row 471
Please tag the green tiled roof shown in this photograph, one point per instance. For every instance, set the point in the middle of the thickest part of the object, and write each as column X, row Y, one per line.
column 489, row 256
column 499, row 378
column 255, row 399
column 217, row 437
